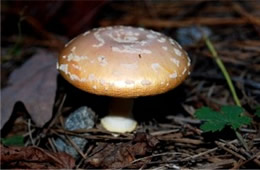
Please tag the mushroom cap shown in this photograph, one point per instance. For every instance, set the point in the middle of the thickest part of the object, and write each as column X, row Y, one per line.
column 123, row 61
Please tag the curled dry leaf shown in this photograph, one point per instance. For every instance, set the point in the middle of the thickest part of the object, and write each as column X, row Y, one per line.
column 121, row 155
column 34, row 84
column 34, row 158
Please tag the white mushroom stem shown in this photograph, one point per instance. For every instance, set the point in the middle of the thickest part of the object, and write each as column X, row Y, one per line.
column 119, row 118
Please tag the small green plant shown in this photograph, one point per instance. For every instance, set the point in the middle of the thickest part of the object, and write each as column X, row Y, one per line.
column 238, row 121
column 16, row 140
column 227, row 116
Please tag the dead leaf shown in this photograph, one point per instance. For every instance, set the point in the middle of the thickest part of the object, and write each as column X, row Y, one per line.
column 34, row 158
column 114, row 156
column 34, row 84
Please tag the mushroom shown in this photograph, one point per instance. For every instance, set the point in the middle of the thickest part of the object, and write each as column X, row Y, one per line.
column 123, row 62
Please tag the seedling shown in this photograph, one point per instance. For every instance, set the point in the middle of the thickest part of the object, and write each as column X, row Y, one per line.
column 238, row 120
column 227, row 116
column 16, row 140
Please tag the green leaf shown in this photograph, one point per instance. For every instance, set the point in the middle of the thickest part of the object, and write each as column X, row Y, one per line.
column 213, row 120
column 212, row 126
column 228, row 116
column 232, row 110
column 234, row 116
column 16, row 140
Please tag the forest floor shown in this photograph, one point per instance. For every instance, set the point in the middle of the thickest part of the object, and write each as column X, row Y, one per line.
column 169, row 134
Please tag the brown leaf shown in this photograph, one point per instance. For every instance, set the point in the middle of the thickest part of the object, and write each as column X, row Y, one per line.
column 34, row 83
column 122, row 154
column 34, row 158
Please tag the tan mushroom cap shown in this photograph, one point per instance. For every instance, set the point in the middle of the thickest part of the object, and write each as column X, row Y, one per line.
column 123, row 61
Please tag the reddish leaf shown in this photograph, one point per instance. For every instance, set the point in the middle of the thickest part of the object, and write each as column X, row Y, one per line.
column 34, row 84
column 34, row 158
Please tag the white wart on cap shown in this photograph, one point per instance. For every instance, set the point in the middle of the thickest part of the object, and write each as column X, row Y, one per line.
column 124, row 61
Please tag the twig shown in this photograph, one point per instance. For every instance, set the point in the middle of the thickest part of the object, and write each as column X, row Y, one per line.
column 96, row 130
column 204, row 153
column 184, row 119
column 90, row 148
column 181, row 140
column 30, row 132
column 152, row 156
column 242, row 150
column 221, row 145
column 50, row 140
column 193, row 156
column 59, row 112
column 75, row 146
column 200, row 154
column 49, row 155
column 163, row 132
column 99, row 137
column 253, row 158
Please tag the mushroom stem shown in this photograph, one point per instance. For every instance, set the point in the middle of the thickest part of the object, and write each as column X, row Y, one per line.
column 120, row 116
column 121, row 107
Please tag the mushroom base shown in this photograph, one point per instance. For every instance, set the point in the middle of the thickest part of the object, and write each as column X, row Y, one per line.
column 119, row 118
column 118, row 124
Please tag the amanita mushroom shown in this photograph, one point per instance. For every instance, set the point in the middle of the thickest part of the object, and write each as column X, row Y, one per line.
column 123, row 62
